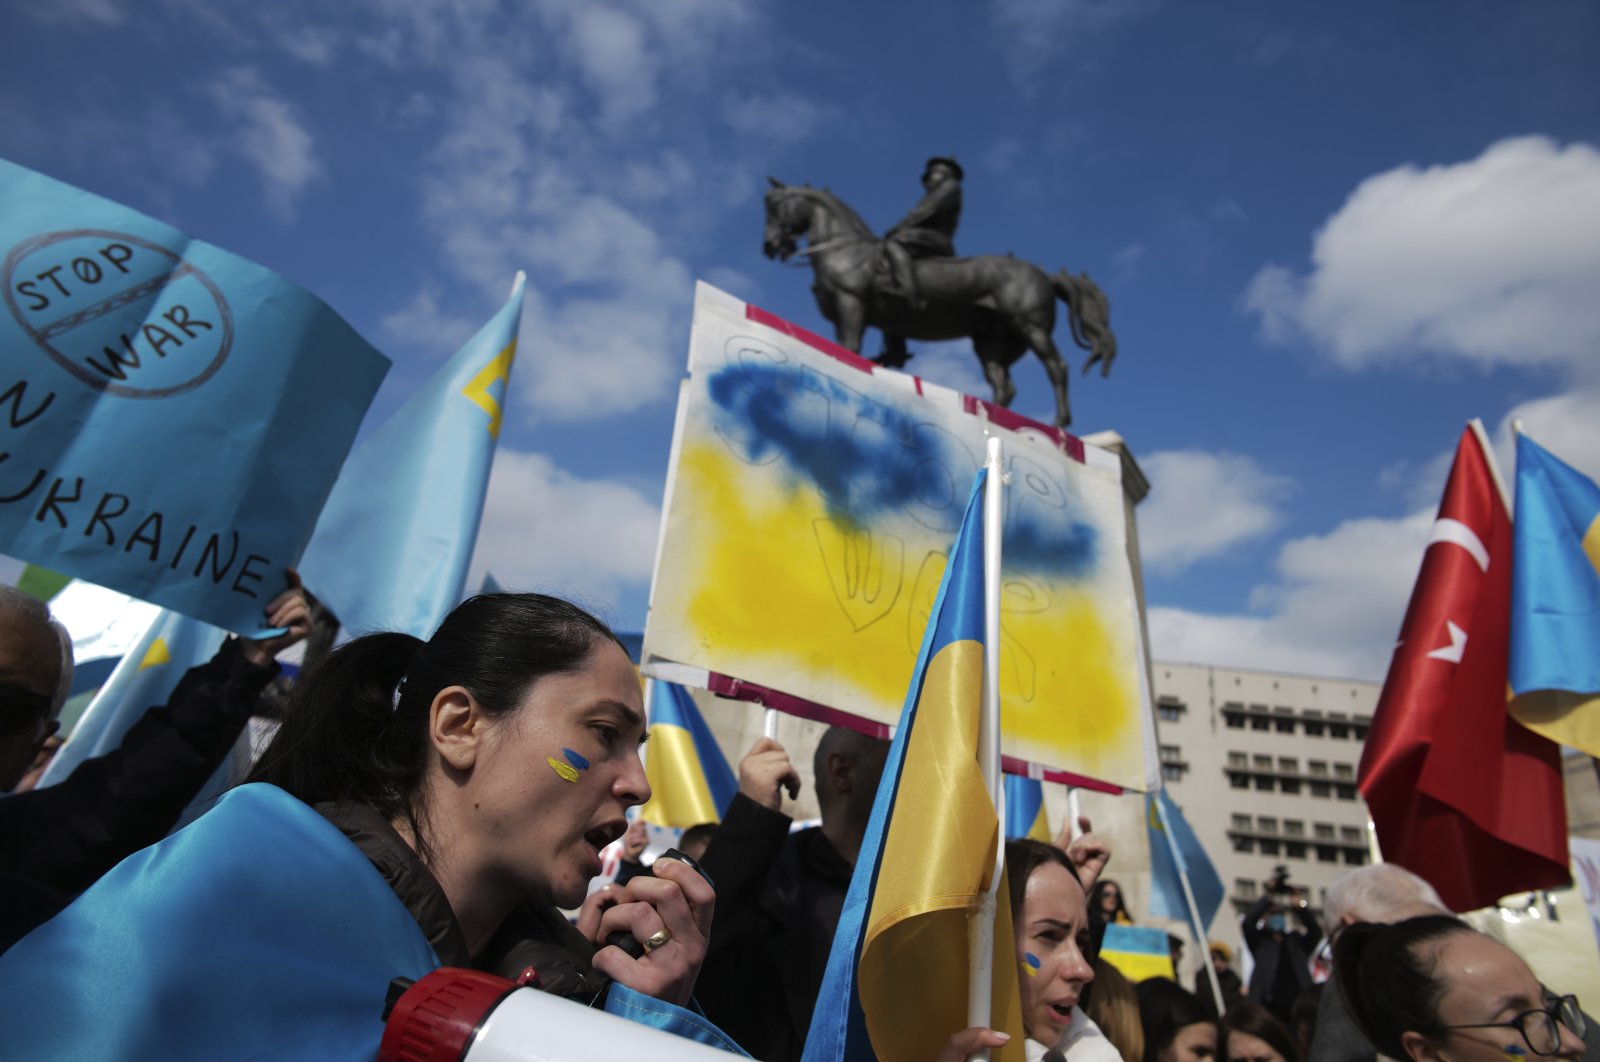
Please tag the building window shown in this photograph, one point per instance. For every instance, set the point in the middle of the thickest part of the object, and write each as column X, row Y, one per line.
column 1320, row 789
column 1322, row 831
column 1350, row 834
column 1172, row 772
column 1355, row 857
column 1294, row 849
column 1260, row 722
column 1169, row 708
column 1244, row 888
column 1313, row 727
column 1267, row 824
column 1264, row 783
column 1244, row 844
column 1294, row 828
column 1338, row 727
column 1241, row 822
column 1343, row 770
column 1288, row 765
column 1346, row 792
column 1359, row 732
column 1360, row 724
column 1327, row 853
column 1269, row 847
column 1170, row 753
column 1234, row 722
column 1238, row 781
column 1238, row 759
column 1317, row 768
column 1289, row 785
column 1283, row 726
column 1263, row 763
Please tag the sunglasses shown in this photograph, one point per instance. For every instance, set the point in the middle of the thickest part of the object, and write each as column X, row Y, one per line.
column 21, row 710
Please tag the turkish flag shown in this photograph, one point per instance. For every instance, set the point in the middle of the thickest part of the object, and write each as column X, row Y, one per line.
column 1461, row 793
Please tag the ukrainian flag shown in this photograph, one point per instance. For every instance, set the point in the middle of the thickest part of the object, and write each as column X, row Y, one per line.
column 896, row 983
column 391, row 549
column 690, row 780
column 1138, row 952
column 1025, row 815
column 1555, row 600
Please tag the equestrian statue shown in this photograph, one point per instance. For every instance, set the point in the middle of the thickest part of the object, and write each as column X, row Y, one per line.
column 910, row 285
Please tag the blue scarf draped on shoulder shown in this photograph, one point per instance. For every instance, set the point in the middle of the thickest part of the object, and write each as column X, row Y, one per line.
column 259, row 931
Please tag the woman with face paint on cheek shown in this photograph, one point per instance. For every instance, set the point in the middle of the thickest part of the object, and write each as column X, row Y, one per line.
column 1050, row 917
column 462, row 789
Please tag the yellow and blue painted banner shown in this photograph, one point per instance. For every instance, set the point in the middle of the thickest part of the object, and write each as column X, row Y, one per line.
column 1138, row 952
column 896, row 981
column 1025, row 814
column 1554, row 669
column 1163, row 819
column 173, row 415
column 812, row 501
column 690, row 780
column 393, row 545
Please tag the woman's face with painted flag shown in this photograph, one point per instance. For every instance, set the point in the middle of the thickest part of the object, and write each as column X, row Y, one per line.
column 1052, row 945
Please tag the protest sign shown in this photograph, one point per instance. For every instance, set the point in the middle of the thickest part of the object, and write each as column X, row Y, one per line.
column 172, row 416
column 812, row 501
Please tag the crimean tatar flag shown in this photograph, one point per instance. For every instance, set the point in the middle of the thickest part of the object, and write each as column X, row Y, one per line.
column 690, row 780
column 1555, row 600
column 1461, row 793
column 1169, row 830
column 391, row 550
column 896, row 982
column 1025, row 815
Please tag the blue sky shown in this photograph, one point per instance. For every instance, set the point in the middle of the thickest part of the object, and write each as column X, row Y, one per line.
column 1330, row 234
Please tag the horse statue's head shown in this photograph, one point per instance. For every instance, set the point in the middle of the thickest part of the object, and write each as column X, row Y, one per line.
column 788, row 218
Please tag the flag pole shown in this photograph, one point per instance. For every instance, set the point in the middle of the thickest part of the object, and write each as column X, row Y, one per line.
column 1200, row 937
column 980, row 935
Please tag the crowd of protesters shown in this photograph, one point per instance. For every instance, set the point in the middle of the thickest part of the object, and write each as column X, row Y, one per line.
column 443, row 801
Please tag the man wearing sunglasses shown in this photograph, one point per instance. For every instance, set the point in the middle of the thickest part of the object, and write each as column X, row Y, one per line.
column 56, row 842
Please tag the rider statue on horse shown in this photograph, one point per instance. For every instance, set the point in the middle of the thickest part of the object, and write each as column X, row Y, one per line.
column 911, row 285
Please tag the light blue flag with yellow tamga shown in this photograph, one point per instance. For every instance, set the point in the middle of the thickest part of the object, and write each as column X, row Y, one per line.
column 896, row 983
column 690, row 780
column 1554, row 668
column 143, row 679
column 392, row 548
column 173, row 415
column 1164, row 823
column 1025, row 815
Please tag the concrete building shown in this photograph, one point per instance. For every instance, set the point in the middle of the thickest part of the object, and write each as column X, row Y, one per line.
column 1263, row 765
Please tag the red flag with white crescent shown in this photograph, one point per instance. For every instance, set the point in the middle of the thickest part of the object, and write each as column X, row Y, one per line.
column 1460, row 792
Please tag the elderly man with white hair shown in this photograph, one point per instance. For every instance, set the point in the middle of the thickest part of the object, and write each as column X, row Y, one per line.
column 55, row 842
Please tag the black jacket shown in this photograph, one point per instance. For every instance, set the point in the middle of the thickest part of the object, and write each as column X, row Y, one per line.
column 538, row 937
column 778, row 901
column 1283, row 960
column 57, row 841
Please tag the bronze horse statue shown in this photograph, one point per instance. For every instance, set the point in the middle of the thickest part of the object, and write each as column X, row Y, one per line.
column 1007, row 306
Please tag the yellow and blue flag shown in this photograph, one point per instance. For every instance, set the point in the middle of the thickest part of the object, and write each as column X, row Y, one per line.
column 1554, row 668
column 690, row 780
column 1138, row 952
column 896, row 982
column 392, row 548
column 1163, row 820
column 1025, row 815
column 143, row 679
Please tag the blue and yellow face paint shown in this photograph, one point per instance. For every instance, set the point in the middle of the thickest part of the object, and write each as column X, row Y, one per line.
column 1514, row 1053
column 1030, row 964
column 569, row 768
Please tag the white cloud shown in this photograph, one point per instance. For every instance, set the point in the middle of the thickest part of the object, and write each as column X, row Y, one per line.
column 314, row 45
column 1334, row 607
column 1493, row 261
column 1203, row 505
column 99, row 13
column 1566, row 424
column 949, row 363
column 424, row 324
column 1125, row 263
column 1029, row 31
column 544, row 528
column 268, row 134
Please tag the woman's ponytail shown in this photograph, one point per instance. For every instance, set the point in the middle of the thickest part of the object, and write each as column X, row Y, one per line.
column 343, row 737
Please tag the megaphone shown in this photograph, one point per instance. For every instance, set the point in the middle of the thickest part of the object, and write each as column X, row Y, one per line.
column 456, row 1015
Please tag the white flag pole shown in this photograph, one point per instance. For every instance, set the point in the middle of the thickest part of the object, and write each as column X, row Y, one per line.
column 769, row 725
column 1194, row 909
column 980, row 935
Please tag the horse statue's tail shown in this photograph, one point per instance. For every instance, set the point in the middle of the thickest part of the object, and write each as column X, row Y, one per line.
column 1089, row 315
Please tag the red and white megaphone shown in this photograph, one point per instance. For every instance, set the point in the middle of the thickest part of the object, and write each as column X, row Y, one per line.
column 456, row 1015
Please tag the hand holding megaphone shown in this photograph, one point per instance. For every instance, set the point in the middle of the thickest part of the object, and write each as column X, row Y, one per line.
column 652, row 933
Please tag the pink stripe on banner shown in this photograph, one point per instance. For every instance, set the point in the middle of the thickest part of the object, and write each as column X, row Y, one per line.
column 1012, row 765
column 809, row 338
column 740, row 690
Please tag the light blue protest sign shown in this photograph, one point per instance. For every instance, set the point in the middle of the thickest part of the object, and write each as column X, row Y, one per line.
column 172, row 416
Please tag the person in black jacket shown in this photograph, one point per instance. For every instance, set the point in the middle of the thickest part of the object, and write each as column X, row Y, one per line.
column 779, row 894
column 1282, row 951
column 57, row 841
